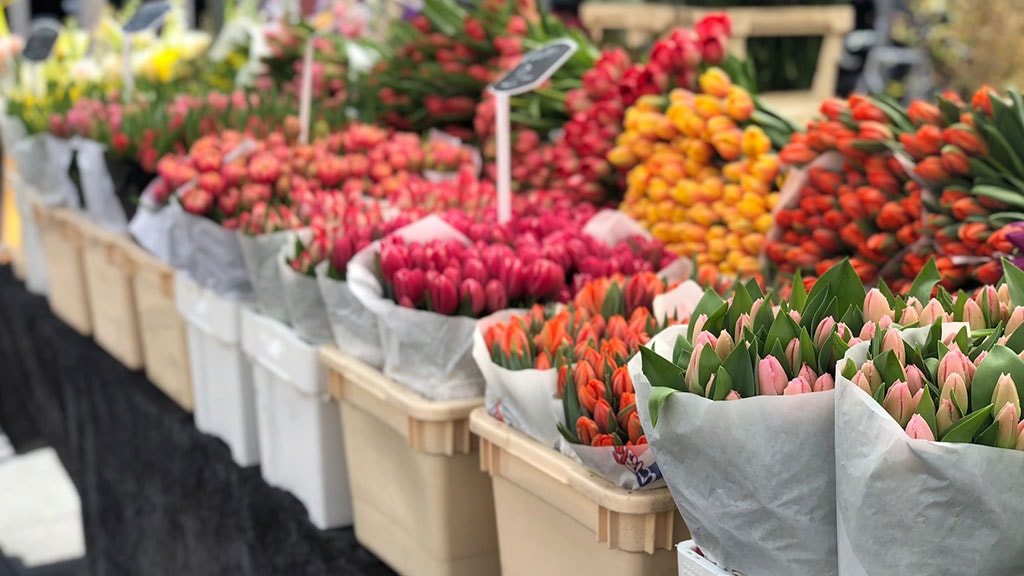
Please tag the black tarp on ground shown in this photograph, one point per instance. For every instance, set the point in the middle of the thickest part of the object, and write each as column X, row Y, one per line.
column 158, row 497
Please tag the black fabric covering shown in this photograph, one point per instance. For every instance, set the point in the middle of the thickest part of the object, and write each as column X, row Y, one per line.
column 129, row 181
column 158, row 497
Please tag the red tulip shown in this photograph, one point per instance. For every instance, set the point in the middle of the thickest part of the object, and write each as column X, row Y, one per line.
column 472, row 291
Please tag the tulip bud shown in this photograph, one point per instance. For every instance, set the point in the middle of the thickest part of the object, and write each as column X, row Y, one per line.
column 622, row 383
column 443, row 295
column 392, row 259
column 867, row 332
column 844, row 332
column 918, row 429
column 796, row 386
column 823, row 332
column 698, row 324
column 742, row 322
column 732, row 395
column 692, row 375
column 973, row 315
column 861, row 381
column 709, row 385
column 1007, row 420
column 590, row 394
column 807, row 374
column 1003, row 293
column 633, row 428
column 1005, row 392
column 586, row 430
column 473, row 292
column 771, row 377
column 900, row 404
column 824, row 383
column 931, row 312
column 909, row 316
column 989, row 297
column 1015, row 321
column 876, row 306
column 604, row 416
column 946, row 416
column 915, row 378
column 497, row 298
column 893, row 342
column 956, row 362
column 793, row 353
column 725, row 345
column 873, row 376
column 954, row 388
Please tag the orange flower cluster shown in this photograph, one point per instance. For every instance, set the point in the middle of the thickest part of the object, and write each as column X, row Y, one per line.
column 589, row 343
column 861, row 205
column 701, row 174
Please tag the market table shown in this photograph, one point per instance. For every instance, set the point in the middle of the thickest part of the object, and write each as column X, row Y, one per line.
column 158, row 497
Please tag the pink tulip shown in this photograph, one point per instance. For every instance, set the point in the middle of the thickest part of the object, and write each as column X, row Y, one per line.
column 393, row 257
column 1005, row 392
column 956, row 362
column 545, row 279
column 909, row 316
column 900, row 404
column 443, row 296
column 989, row 294
column 771, row 377
column 496, row 297
column 915, row 378
column 734, row 395
column 932, row 311
column 793, row 353
column 725, row 344
column 946, row 416
column 807, row 374
column 867, row 332
column 742, row 322
column 796, row 386
column 861, row 381
column 473, row 292
column 894, row 343
column 410, row 285
column 876, row 306
column 823, row 331
column 1007, row 420
column 474, row 268
column 954, row 388
column 823, row 383
column 1015, row 321
column 870, row 372
column 974, row 316
column 918, row 429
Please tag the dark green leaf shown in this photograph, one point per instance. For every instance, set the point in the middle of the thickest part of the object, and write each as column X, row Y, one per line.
column 925, row 281
column 657, row 400
column 710, row 302
column 659, row 371
column 798, row 296
column 782, row 330
column 926, row 408
column 722, row 385
column 708, row 365
column 1000, row 360
column 741, row 371
column 967, row 427
column 1014, row 281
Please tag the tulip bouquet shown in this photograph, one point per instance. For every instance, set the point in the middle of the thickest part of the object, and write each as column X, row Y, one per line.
column 559, row 373
column 284, row 64
column 926, row 412
column 701, row 173
column 716, row 397
column 854, row 199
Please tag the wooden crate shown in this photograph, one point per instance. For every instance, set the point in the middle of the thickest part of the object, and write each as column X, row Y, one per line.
column 108, row 277
column 62, row 241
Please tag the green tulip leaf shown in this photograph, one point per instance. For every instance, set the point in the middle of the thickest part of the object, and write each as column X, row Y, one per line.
column 926, row 408
column 989, row 341
column 658, row 397
column 962, row 339
column 798, row 295
column 763, row 320
column 754, row 289
column 989, row 436
column 569, row 435
column 722, row 385
column 958, row 306
column 925, row 282
column 571, row 406
column 808, row 353
column 681, row 351
column 944, row 298
column 950, row 110
column 932, row 369
column 814, row 309
column 849, row 369
column 854, row 318
column 741, row 304
column 887, row 292
column 842, row 280
column 1000, row 360
column 889, row 368
column 708, row 304
column 614, row 301
column 707, row 365
column 1016, row 341
column 741, row 371
column 1014, row 281
column 659, row 371
column 783, row 330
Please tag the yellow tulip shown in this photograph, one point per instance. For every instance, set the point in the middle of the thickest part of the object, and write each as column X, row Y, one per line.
column 715, row 82
column 755, row 142
column 738, row 104
column 707, row 106
column 763, row 223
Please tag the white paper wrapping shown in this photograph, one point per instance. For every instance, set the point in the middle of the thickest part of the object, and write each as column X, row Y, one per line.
column 36, row 277
column 353, row 325
column 632, row 468
column 427, row 352
column 908, row 506
column 302, row 295
column 754, row 479
column 259, row 253
column 520, row 398
column 101, row 203
column 613, row 226
column 43, row 161
column 163, row 230
column 215, row 260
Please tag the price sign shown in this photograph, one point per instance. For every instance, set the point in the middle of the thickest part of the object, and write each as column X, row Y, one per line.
column 535, row 67
column 149, row 15
column 41, row 40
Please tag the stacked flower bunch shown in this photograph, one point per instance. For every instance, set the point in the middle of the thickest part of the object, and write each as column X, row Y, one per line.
column 969, row 155
column 284, row 64
column 438, row 64
column 857, row 200
column 612, row 86
column 531, row 260
column 702, row 173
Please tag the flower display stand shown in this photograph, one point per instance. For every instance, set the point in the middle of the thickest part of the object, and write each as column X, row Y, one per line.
column 420, row 502
column 301, row 445
column 225, row 399
column 556, row 516
column 692, row 563
column 112, row 305
column 63, row 252
column 161, row 328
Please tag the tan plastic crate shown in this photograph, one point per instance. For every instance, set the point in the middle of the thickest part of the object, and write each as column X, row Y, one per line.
column 557, row 517
column 420, row 502
column 161, row 328
column 62, row 248
column 108, row 276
